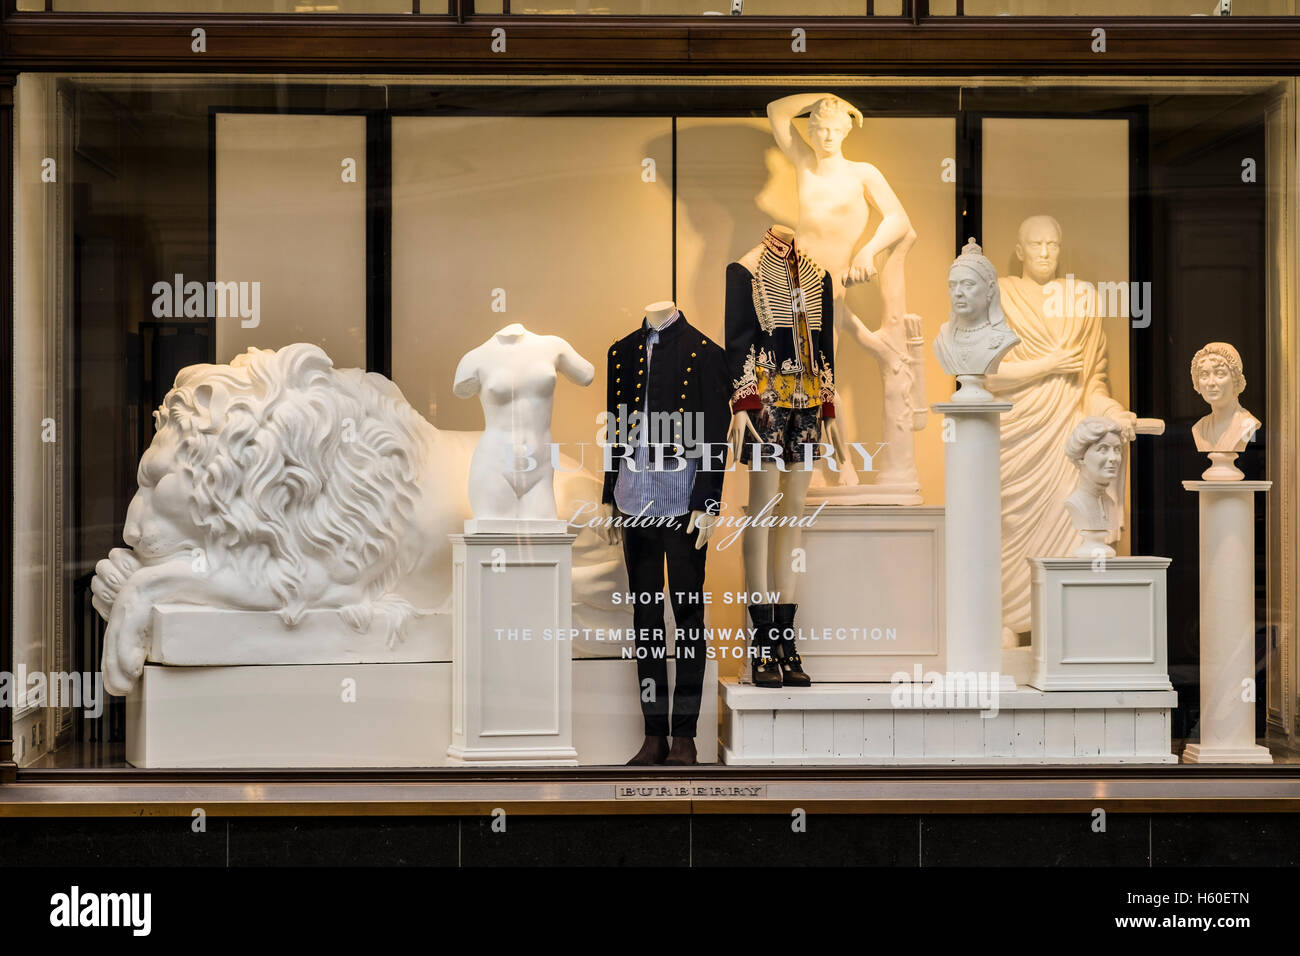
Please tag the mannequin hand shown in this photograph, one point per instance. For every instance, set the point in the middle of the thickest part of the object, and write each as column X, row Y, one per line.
column 702, row 524
column 740, row 424
column 831, row 429
column 610, row 533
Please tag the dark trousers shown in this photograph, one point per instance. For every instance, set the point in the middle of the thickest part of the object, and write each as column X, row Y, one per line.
column 645, row 549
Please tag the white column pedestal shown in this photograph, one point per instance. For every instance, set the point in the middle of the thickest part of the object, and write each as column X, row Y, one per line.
column 973, row 537
column 512, row 674
column 1227, row 528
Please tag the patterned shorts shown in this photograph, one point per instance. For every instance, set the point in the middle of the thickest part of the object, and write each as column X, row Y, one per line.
column 788, row 428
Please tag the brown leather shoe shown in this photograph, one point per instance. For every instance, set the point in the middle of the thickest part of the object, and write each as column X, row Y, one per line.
column 653, row 751
column 682, row 753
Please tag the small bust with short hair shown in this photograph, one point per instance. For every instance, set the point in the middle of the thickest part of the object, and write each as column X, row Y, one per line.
column 1218, row 378
column 1096, row 447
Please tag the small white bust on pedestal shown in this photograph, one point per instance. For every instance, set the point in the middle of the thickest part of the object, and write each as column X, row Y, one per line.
column 1227, row 533
column 1099, row 621
column 1096, row 447
column 970, row 345
column 976, row 336
column 1218, row 377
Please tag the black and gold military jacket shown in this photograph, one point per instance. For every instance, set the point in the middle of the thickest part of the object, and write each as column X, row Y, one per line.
column 688, row 405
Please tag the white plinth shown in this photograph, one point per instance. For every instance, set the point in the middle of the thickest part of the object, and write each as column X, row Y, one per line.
column 973, row 535
column 607, row 724
column 860, row 724
column 1099, row 625
column 879, row 570
column 1227, row 553
column 187, row 635
column 873, row 493
column 512, row 700
column 290, row 716
column 295, row 716
column 516, row 526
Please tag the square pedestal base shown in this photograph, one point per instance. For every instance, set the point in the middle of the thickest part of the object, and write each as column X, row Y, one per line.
column 1195, row 753
column 851, row 633
column 1099, row 625
column 860, row 724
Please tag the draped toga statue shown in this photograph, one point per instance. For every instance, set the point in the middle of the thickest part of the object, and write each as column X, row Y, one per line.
column 1054, row 378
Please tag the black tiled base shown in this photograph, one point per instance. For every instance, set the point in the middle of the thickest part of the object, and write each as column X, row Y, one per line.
column 702, row 840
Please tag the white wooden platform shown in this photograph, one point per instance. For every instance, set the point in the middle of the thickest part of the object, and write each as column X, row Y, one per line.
column 859, row 724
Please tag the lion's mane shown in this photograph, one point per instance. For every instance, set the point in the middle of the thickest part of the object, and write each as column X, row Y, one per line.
column 303, row 476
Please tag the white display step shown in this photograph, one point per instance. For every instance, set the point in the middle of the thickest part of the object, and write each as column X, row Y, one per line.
column 864, row 724
column 296, row 715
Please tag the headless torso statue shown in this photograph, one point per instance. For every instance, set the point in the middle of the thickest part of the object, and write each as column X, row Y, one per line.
column 511, row 478
column 833, row 220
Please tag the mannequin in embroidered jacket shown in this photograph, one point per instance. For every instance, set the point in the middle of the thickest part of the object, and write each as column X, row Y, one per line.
column 666, row 432
column 780, row 356
column 836, row 196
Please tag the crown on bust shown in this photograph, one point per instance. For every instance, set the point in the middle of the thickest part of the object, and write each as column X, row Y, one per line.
column 973, row 256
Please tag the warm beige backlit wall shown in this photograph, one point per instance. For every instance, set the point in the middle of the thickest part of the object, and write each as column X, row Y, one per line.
column 1077, row 171
column 556, row 213
column 554, row 216
column 287, row 219
column 734, row 183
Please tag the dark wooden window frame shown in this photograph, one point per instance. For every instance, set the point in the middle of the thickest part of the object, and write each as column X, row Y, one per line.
column 461, row 42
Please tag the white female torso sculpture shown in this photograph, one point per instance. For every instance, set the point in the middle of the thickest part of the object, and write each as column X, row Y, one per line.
column 833, row 218
column 514, row 374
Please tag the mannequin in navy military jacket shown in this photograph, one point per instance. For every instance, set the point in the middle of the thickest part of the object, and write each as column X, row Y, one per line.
column 667, row 388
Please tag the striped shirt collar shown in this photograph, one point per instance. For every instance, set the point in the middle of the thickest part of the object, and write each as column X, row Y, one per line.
column 659, row 332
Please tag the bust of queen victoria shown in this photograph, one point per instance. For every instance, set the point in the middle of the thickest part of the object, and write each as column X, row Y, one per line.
column 976, row 335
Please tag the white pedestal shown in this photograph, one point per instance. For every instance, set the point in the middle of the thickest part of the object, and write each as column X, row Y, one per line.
column 607, row 724
column 867, row 493
column 511, row 653
column 1100, row 625
column 872, row 602
column 864, row 724
column 973, row 536
column 296, row 716
column 1227, row 530
column 308, row 715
